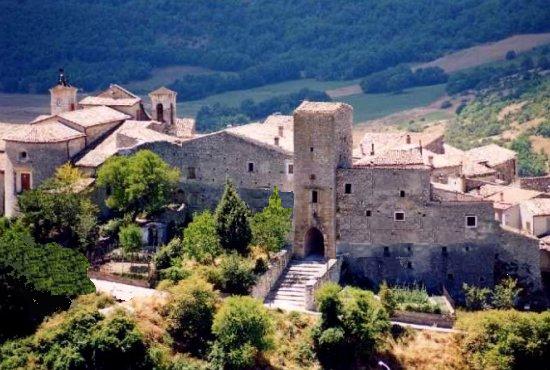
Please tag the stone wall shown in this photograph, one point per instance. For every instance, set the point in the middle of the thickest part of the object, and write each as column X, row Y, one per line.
column 277, row 264
column 541, row 183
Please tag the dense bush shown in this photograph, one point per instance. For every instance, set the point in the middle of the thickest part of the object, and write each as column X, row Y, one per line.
column 401, row 77
column 242, row 329
column 506, row 340
column 200, row 238
column 530, row 163
column 234, row 275
column 503, row 296
column 353, row 325
column 232, row 221
column 129, row 238
column 190, row 315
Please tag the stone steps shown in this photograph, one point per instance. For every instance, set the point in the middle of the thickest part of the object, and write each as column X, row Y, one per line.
column 290, row 291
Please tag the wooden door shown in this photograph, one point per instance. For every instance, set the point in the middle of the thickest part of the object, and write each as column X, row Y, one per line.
column 25, row 181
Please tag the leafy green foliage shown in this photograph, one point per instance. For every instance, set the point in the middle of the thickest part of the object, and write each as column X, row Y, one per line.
column 543, row 129
column 530, row 163
column 476, row 298
column 242, row 329
column 271, row 226
column 352, row 326
column 142, row 182
column 414, row 299
column 506, row 293
column 329, row 40
column 506, row 340
column 387, row 298
column 36, row 280
column 234, row 275
column 84, row 339
column 200, row 238
column 190, row 315
column 399, row 78
column 129, row 238
column 60, row 211
column 168, row 254
column 232, row 221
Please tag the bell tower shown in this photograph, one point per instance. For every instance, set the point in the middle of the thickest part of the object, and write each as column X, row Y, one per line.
column 322, row 145
column 63, row 96
column 163, row 105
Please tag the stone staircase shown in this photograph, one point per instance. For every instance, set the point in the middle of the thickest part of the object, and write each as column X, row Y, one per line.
column 289, row 293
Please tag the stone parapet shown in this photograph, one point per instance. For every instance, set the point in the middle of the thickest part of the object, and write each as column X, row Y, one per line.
column 267, row 281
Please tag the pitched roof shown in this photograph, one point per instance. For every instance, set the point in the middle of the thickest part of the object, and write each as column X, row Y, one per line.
column 5, row 130
column 492, row 154
column 162, row 91
column 474, row 169
column 384, row 141
column 538, row 206
column 50, row 131
column 93, row 116
column 505, row 197
column 96, row 100
column 267, row 132
column 393, row 158
column 441, row 160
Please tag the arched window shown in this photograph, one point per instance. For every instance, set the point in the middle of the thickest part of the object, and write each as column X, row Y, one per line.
column 160, row 112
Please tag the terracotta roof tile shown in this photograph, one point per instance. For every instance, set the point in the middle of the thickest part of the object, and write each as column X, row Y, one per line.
column 492, row 154
column 403, row 158
column 162, row 91
column 538, row 207
column 93, row 116
column 50, row 131
column 96, row 100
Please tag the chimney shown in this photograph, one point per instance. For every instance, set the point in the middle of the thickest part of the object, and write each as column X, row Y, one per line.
column 281, row 131
column 431, row 160
column 372, row 149
column 276, row 140
column 408, row 139
column 420, row 146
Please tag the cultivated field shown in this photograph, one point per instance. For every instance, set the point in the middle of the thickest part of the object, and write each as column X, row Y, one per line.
column 163, row 77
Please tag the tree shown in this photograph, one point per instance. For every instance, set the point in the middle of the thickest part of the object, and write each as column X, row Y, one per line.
column 190, row 315
column 36, row 280
column 387, row 298
column 505, row 293
column 271, row 226
column 60, row 210
column 142, row 182
column 232, row 224
column 130, row 239
column 476, row 298
column 352, row 326
column 242, row 329
column 200, row 239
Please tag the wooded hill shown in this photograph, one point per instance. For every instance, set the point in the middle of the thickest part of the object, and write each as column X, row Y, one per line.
column 254, row 42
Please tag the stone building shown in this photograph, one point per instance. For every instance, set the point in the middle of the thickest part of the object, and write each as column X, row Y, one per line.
column 393, row 209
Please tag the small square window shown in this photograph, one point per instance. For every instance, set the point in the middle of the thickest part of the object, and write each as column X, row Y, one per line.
column 386, row 251
column 347, row 188
column 402, row 193
column 471, row 221
column 290, row 168
column 311, row 149
column 450, row 277
column 368, row 213
column 250, row 167
column 444, row 251
column 191, row 173
column 314, row 196
column 312, row 177
column 399, row 216
column 409, row 265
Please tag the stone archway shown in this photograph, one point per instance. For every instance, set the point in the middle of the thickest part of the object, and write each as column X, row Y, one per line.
column 314, row 242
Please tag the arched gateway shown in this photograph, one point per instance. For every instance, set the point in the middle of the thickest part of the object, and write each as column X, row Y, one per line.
column 314, row 242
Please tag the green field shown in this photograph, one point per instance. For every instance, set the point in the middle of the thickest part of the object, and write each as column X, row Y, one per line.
column 234, row 98
column 372, row 106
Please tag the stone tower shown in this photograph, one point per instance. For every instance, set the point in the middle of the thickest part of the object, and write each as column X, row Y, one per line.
column 62, row 95
column 322, row 144
column 163, row 105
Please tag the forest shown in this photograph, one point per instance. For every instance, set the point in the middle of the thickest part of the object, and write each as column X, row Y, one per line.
column 247, row 43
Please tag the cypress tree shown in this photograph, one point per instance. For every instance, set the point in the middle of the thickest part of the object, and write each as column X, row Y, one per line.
column 232, row 220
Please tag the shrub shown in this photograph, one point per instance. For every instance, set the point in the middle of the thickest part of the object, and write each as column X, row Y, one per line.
column 476, row 298
column 190, row 315
column 243, row 329
column 328, row 303
column 174, row 274
column 200, row 239
column 235, row 275
column 387, row 298
column 130, row 239
column 506, row 340
column 505, row 294
column 232, row 224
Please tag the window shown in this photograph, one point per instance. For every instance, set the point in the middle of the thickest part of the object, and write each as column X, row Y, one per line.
column 347, row 188
column 368, row 213
column 471, row 221
column 311, row 149
column 312, row 177
column 191, row 173
column 444, row 251
column 409, row 265
column 450, row 277
column 276, row 141
column 399, row 216
column 290, row 168
column 23, row 156
column 250, row 167
column 314, row 196
column 402, row 193
column 528, row 226
column 386, row 251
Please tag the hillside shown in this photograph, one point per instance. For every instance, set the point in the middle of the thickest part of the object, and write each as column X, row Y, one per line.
column 253, row 42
